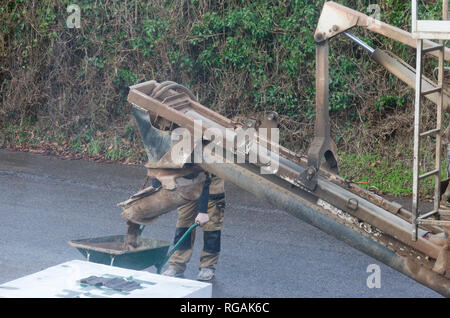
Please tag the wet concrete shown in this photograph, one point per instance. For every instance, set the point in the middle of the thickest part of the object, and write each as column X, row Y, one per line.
column 45, row 202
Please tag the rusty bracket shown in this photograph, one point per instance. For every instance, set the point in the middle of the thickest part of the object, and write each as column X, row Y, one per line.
column 322, row 145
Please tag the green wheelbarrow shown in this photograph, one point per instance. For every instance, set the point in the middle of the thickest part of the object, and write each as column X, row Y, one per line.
column 113, row 251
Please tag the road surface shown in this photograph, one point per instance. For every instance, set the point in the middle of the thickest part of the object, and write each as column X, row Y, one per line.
column 45, row 202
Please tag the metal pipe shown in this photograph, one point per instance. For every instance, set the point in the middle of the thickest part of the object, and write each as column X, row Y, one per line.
column 414, row 16
column 339, row 197
column 364, row 45
column 416, row 164
column 444, row 10
column 269, row 188
column 400, row 69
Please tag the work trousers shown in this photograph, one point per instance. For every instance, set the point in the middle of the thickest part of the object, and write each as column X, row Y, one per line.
column 211, row 234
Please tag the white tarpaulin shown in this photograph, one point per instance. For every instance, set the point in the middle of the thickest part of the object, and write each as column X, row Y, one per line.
column 64, row 281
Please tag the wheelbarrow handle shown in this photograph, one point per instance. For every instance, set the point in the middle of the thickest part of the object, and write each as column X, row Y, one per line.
column 175, row 247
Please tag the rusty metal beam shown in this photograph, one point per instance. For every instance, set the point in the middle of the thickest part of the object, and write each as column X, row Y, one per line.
column 336, row 18
column 322, row 144
column 402, row 70
column 291, row 172
column 303, row 206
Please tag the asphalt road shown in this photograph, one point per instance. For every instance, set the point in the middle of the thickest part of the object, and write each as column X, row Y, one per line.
column 45, row 202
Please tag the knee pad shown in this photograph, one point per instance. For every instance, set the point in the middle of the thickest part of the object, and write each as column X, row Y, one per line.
column 187, row 243
column 211, row 241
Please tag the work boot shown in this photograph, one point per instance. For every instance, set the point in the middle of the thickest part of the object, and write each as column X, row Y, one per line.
column 205, row 274
column 172, row 272
column 133, row 232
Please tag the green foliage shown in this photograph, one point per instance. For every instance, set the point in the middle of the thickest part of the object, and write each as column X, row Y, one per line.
column 375, row 172
column 269, row 45
column 153, row 31
column 387, row 103
column 267, row 42
column 240, row 57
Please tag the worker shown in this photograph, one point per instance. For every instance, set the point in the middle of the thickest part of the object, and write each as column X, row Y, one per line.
column 208, row 211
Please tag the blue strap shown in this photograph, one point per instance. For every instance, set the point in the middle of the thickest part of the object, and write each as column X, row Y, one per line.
column 203, row 200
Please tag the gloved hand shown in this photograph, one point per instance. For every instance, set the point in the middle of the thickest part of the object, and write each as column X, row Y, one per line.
column 202, row 219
